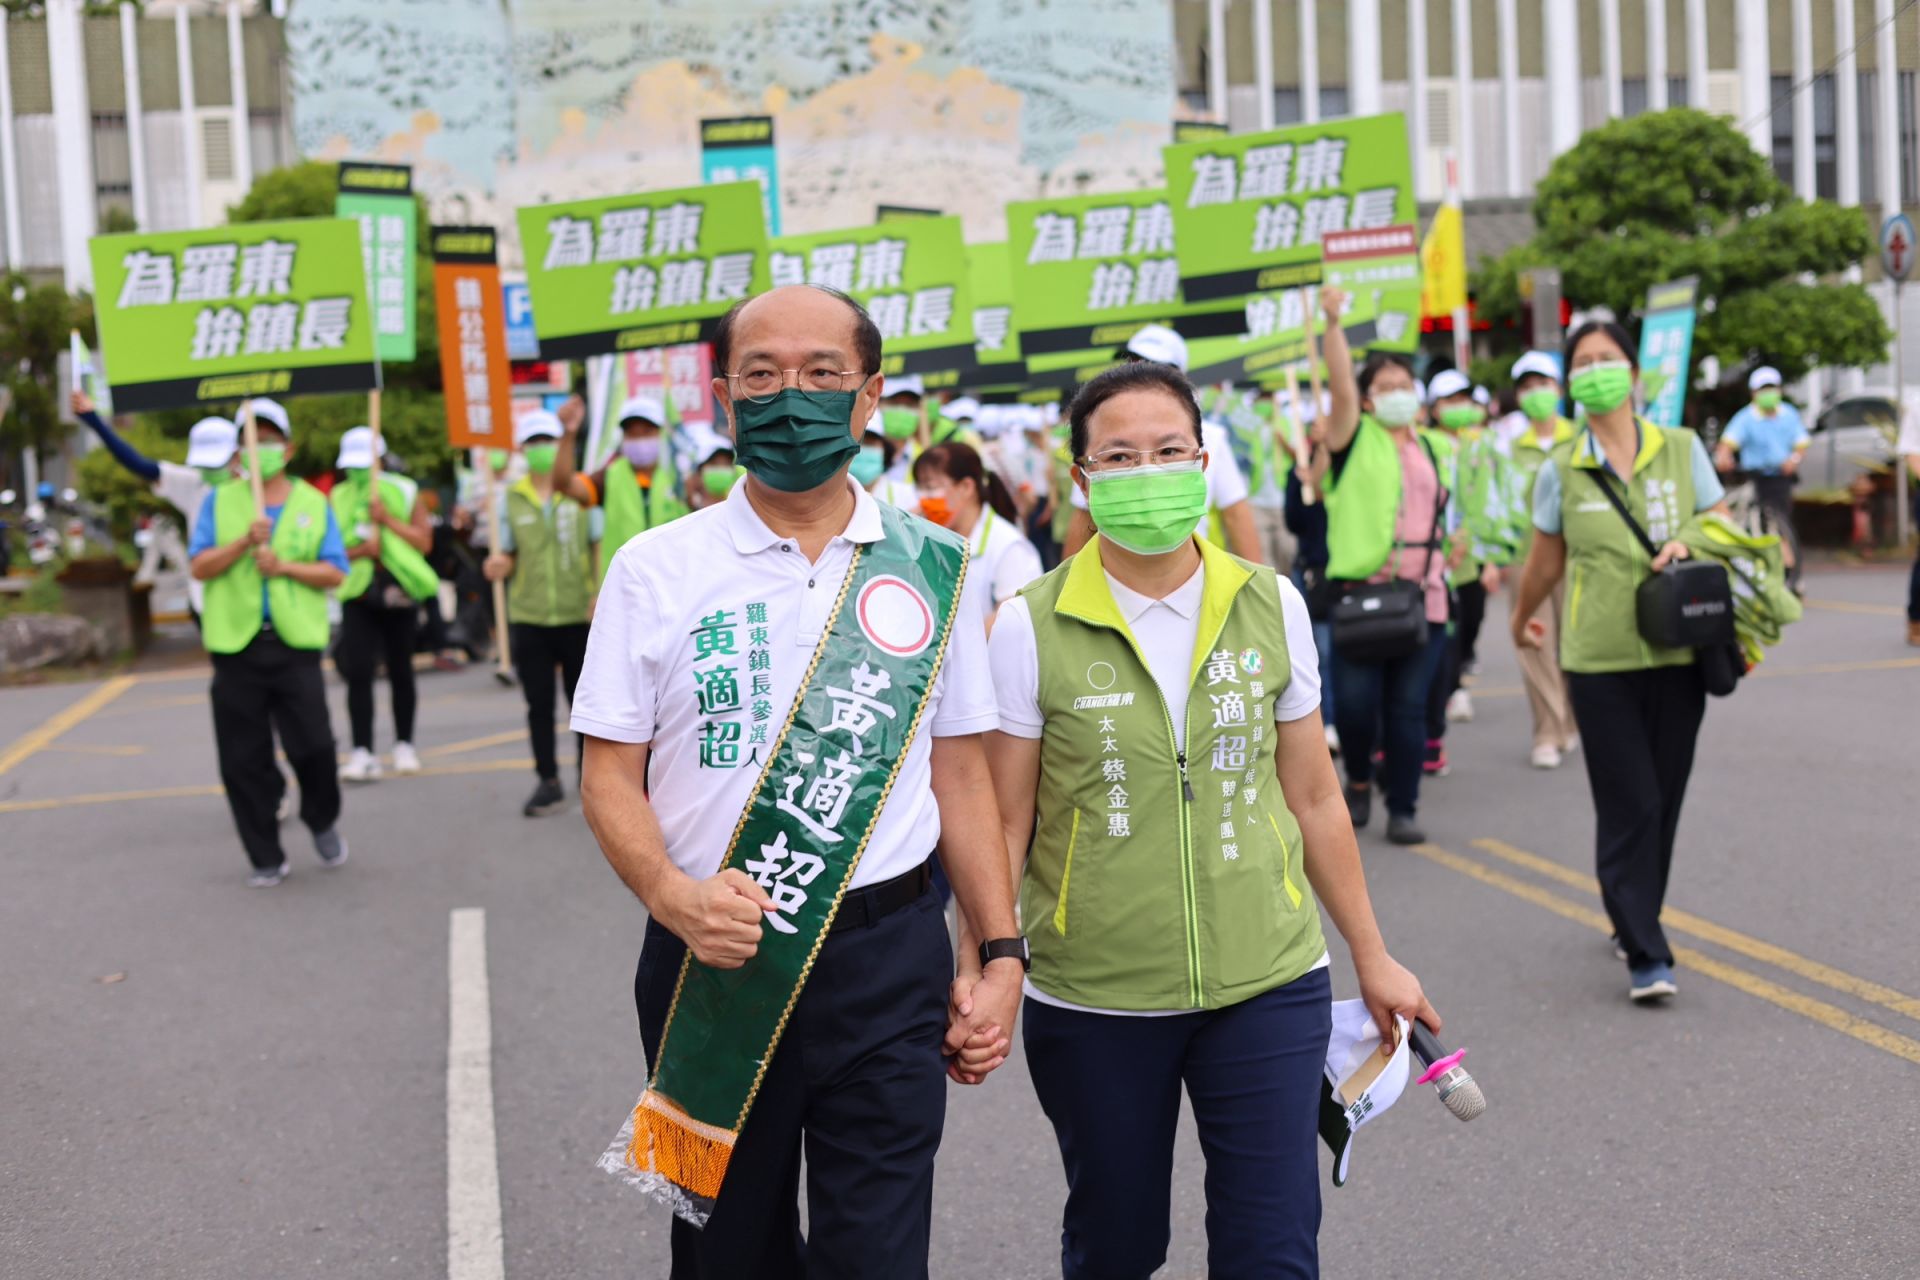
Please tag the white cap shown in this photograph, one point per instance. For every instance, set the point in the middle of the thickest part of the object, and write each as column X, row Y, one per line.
column 1447, row 382
column 1481, row 396
column 876, row 425
column 1544, row 363
column 1765, row 376
column 536, row 423
column 964, row 409
column 356, row 449
column 1160, row 344
column 212, row 442
column 908, row 384
column 270, row 411
column 647, row 408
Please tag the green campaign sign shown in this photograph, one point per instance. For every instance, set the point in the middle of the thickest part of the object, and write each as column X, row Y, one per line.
column 1250, row 210
column 262, row 308
column 998, row 368
column 380, row 198
column 909, row 273
column 626, row 273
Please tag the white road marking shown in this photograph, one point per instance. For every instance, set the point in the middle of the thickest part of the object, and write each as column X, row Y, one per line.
column 474, row 1247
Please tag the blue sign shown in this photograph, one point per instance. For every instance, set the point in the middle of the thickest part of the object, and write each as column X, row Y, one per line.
column 518, row 305
column 1666, row 347
column 740, row 149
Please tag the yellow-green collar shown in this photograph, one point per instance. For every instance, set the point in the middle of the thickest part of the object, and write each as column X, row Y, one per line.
column 1652, row 440
column 1085, row 595
column 1562, row 432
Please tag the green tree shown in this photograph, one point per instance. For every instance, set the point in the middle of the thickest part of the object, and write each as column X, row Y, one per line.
column 1676, row 193
column 35, row 322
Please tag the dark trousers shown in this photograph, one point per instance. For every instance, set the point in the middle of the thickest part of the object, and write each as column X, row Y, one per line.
column 265, row 689
column 1913, row 583
column 369, row 635
column 858, row 1079
column 1775, row 495
column 1637, row 734
column 1368, row 693
column 537, row 652
column 1111, row 1087
column 1468, row 609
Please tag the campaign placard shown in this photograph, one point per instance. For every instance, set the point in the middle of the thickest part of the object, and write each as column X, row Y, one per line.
column 474, row 369
column 740, row 149
column 380, row 198
column 910, row 274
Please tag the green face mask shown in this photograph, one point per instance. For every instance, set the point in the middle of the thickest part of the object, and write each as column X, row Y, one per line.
column 1599, row 388
column 273, row 460
column 719, row 483
column 215, row 476
column 540, row 457
column 795, row 441
column 1395, row 408
column 1458, row 417
column 1540, row 403
column 1768, row 399
column 869, row 463
column 498, row 458
column 1149, row 511
column 360, row 479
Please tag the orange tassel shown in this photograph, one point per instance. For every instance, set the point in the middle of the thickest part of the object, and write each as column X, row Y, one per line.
column 667, row 1141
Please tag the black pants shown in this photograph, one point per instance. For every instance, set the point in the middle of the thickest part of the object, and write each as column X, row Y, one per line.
column 1467, row 606
column 1913, row 583
column 537, row 651
column 1637, row 734
column 265, row 689
column 1775, row 494
column 858, row 1077
column 1111, row 1087
column 369, row 634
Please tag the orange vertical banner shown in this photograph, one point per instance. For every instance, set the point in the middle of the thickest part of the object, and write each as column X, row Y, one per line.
column 473, row 337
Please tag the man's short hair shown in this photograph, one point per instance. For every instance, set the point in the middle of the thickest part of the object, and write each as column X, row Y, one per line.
column 866, row 334
column 1141, row 375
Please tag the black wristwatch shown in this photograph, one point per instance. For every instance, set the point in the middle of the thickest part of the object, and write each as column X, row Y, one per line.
column 1005, row 949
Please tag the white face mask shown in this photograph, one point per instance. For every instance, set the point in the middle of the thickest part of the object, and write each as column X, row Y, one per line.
column 1395, row 408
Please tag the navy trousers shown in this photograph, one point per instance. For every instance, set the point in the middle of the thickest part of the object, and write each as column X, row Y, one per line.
column 1395, row 693
column 1111, row 1087
column 858, row 1077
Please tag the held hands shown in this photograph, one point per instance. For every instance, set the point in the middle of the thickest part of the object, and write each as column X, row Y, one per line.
column 259, row 531
column 82, row 403
column 1389, row 988
column 1529, row 633
column 572, row 414
column 1668, row 554
column 981, row 1011
column 1333, row 301
column 1491, row 578
column 497, row 567
column 267, row 562
column 1791, row 467
column 718, row 918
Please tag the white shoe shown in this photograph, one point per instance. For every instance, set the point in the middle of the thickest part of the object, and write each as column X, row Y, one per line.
column 361, row 766
column 1546, row 756
column 1460, row 707
column 405, row 758
column 1573, row 745
column 1333, row 740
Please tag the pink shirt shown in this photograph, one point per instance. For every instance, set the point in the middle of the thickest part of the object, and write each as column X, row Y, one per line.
column 1414, row 525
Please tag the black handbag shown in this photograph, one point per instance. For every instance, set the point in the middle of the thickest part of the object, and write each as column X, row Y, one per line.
column 1375, row 622
column 1687, row 605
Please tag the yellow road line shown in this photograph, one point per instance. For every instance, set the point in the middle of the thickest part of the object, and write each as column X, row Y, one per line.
column 477, row 744
column 158, row 704
column 35, row 739
column 1848, row 606
column 1732, row 939
column 176, row 793
column 1830, row 1016
column 127, row 750
column 1838, row 668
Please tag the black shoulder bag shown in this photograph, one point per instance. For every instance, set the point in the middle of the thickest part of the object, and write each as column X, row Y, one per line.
column 1375, row 622
column 1687, row 605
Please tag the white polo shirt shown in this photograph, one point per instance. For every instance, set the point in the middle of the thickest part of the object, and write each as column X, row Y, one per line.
column 1003, row 559
column 721, row 572
column 1225, row 484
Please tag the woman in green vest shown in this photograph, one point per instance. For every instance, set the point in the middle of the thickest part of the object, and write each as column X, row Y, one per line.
column 1638, row 707
column 636, row 488
column 1536, row 377
column 1175, row 824
column 546, row 558
column 387, row 578
column 264, row 623
column 1386, row 493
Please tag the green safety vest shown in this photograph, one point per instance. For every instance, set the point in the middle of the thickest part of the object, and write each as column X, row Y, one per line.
column 231, row 614
column 1260, row 452
column 632, row 511
column 1363, row 502
column 408, row 567
column 1605, row 562
column 1158, row 879
column 1528, row 454
column 552, row 583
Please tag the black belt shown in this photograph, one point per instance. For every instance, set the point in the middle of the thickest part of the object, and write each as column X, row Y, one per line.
column 870, row 905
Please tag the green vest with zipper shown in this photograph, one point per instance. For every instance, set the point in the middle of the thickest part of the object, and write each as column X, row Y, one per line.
column 1528, row 454
column 397, row 556
column 1203, row 901
column 231, row 614
column 1363, row 500
column 631, row 510
column 552, row 582
column 1605, row 562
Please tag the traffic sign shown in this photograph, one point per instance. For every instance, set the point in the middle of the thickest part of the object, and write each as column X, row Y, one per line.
column 1897, row 247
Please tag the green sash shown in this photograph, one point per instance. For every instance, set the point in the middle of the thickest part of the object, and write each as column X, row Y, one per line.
column 813, row 809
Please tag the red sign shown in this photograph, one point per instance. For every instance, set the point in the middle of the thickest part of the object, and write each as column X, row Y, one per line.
column 473, row 337
column 684, row 372
column 1384, row 242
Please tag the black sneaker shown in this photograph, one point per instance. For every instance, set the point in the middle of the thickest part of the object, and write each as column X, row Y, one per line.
column 1402, row 829
column 546, row 798
column 331, row 846
column 1359, row 805
column 268, row 877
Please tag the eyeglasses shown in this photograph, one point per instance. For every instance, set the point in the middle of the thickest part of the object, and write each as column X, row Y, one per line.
column 761, row 383
column 1127, row 459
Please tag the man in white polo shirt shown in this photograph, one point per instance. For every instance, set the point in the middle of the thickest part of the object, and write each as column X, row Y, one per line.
column 783, row 716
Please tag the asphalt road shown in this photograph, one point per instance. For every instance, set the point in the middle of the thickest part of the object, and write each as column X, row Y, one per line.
column 202, row 1081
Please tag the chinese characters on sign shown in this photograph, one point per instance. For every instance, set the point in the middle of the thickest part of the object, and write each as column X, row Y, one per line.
column 740, row 149
column 910, row 274
column 473, row 339
column 379, row 198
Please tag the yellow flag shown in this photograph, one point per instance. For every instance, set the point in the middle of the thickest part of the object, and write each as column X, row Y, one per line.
column 1443, row 264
